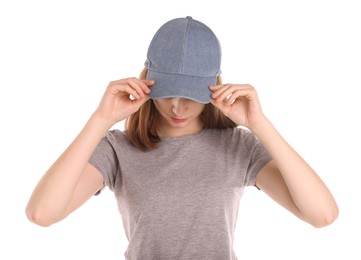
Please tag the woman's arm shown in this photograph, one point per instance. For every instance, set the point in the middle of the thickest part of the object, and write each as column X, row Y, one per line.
column 51, row 197
column 291, row 182
column 288, row 179
column 71, row 180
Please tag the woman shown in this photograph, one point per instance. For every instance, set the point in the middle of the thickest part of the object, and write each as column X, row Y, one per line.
column 179, row 169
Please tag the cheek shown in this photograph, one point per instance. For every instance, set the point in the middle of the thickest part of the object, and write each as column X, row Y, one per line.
column 162, row 107
column 198, row 110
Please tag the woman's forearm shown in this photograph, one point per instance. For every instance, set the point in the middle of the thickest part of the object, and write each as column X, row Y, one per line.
column 52, row 194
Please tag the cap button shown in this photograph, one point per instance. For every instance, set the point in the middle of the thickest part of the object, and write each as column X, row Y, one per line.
column 189, row 17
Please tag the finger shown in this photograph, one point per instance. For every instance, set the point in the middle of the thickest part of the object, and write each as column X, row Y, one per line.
column 218, row 90
column 221, row 106
column 138, row 85
column 132, row 92
column 149, row 82
column 236, row 94
column 139, row 102
column 128, row 89
column 227, row 95
column 216, row 87
column 223, row 94
column 145, row 84
column 121, row 88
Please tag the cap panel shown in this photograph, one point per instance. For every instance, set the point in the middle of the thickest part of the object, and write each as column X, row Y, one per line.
column 202, row 55
column 164, row 53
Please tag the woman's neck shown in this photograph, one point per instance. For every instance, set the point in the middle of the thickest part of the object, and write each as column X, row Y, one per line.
column 165, row 130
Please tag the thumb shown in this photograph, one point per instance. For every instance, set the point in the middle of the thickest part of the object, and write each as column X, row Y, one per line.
column 139, row 102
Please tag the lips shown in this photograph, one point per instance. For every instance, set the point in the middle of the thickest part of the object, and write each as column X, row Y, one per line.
column 178, row 120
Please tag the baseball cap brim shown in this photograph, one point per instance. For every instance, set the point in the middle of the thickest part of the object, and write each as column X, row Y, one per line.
column 181, row 86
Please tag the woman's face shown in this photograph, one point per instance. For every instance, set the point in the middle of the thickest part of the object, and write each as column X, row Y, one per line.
column 180, row 113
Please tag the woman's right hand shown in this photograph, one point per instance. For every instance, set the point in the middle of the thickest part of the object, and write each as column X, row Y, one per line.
column 117, row 104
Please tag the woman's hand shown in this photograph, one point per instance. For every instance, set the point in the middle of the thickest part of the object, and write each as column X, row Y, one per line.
column 239, row 102
column 122, row 98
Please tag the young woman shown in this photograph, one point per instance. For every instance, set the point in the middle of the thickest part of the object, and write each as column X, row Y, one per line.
column 180, row 167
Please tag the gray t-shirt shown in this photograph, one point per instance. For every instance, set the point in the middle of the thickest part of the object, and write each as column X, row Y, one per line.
column 180, row 201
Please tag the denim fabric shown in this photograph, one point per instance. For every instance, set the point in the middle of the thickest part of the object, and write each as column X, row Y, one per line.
column 184, row 59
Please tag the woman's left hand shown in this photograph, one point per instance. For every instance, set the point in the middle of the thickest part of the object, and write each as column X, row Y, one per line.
column 239, row 102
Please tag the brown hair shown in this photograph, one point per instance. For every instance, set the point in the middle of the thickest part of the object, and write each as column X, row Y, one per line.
column 141, row 126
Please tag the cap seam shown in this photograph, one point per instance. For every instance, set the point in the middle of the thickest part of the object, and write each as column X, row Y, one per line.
column 184, row 44
column 169, row 73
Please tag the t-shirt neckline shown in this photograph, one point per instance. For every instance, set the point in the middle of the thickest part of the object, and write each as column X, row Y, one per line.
column 184, row 137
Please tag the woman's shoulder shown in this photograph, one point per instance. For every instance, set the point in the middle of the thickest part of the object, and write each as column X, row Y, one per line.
column 231, row 137
column 235, row 132
column 116, row 136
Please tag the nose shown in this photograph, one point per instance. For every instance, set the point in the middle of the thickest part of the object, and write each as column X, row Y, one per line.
column 179, row 106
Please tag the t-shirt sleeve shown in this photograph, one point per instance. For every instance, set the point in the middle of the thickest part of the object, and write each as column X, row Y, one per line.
column 259, row 157
column 105, row 160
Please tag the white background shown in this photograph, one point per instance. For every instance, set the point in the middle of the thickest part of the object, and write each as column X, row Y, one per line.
column 57, row 57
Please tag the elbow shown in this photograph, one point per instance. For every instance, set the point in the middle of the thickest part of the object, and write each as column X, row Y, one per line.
column 38, row 217
column 325, row 219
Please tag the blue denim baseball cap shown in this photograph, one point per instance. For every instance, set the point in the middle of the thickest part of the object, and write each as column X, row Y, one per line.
column 184, row 59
